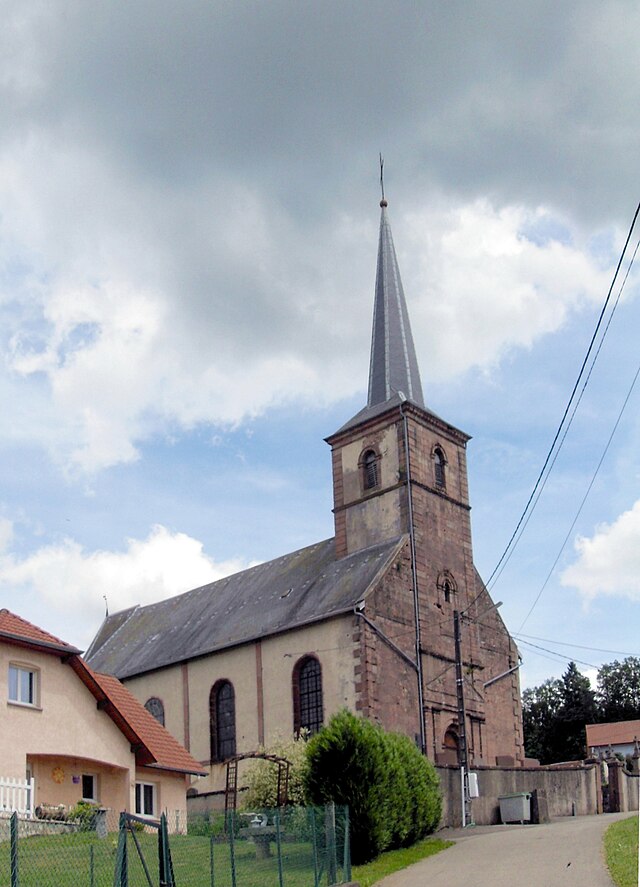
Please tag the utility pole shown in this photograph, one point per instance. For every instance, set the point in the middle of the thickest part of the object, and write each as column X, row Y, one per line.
column 462, row 726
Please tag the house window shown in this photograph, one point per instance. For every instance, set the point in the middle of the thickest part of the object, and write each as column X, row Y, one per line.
column 439, row 463
column 307, row 695
column 155, row 707
column 370, row 474
column 222, row 721
column 23, row 685
column 89, row 792
column 146, row 803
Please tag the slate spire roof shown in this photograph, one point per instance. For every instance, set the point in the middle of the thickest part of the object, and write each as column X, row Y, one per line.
column 393, row 368
column 394, row 376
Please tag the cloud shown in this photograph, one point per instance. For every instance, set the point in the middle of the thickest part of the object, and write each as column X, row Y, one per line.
column 609, row 562
column 188, row 223
column 74, row 583
column 6, row 534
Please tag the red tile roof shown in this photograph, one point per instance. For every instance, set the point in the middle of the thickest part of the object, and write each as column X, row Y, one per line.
column 161, row 749
column 153, row 745
column 18, row 628
column 616, row 733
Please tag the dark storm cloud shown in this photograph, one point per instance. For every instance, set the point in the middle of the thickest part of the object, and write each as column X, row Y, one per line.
column 528, row 101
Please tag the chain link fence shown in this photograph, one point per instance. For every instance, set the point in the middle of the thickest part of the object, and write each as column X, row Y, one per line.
column 289, row 847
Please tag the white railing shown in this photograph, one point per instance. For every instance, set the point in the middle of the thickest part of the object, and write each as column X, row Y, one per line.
column 17, row 795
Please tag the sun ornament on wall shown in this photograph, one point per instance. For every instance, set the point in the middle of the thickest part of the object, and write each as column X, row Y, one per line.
column 57, row 774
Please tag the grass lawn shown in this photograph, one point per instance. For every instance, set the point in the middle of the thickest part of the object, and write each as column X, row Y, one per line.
column 621, row 849
column 84, row 860
column 394, row 860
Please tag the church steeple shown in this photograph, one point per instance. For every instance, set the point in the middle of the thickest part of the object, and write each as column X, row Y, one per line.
column 393, row 368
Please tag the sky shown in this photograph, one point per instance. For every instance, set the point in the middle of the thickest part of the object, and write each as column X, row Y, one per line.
column 188, row 232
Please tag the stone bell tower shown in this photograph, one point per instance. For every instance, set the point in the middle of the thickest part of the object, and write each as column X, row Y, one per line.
column 400, row 470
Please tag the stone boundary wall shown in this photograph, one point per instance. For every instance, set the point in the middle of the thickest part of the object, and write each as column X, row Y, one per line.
column 623, row 788
column 570, row 789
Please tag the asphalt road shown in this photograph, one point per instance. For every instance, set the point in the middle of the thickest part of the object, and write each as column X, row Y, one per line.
column 564, row 852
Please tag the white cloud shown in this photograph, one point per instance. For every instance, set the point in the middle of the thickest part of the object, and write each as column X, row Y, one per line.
column 6, row 534
column 609, row 562
column 73, row 582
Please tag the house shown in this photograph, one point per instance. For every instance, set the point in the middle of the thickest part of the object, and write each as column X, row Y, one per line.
column 365, row 620
column 81, row 735
column 619, row 737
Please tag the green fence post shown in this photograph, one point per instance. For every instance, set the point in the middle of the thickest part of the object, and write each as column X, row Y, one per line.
column 279, row 846
column 164, row 854
column 211, row 868
column 14, row 849
column 121, row 876
column 330, row 831
column 92, row 878
column 232, row 847
column 314, row 840
column 346, row 856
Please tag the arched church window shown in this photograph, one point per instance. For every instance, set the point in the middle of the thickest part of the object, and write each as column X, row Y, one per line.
column 370, row 470
column 451, row 742
column 307, row 695
column 155, row 707
column 222, row 721
column 439, row 463
column 446, row 587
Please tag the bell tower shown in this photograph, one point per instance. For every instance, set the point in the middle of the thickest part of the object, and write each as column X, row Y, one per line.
column 395, row 456
column 400, row 473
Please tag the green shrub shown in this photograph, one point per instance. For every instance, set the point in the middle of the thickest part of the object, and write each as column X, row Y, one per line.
column 391, row 789
column 84, row 814
column 261, row 777
column 347, row 764
column 425, row 805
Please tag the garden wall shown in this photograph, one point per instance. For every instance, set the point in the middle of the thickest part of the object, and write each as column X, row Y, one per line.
column 570, row 789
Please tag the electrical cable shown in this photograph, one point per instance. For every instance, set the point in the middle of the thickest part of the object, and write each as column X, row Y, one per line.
column 584, row 499
column 512, row 540
column 497, row 572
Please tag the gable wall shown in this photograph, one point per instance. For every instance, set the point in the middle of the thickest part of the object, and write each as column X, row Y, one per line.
column 261, row 675
column 66, row 731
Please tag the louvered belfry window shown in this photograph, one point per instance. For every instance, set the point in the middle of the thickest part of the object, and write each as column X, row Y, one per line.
column 370, row 465
column 439, row 463
column 307, row 689
column 222, row 721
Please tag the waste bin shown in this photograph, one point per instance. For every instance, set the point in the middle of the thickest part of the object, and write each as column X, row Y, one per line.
column 516, row 807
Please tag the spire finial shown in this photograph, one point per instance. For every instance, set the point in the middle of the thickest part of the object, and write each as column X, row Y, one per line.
column 383, row 202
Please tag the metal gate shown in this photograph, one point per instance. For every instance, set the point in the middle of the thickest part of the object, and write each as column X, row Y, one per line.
column 133, row 853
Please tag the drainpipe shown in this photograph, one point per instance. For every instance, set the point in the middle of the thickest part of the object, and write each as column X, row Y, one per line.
column 414, row 581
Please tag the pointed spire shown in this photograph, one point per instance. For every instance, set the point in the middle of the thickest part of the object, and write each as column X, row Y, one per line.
column 393, row 369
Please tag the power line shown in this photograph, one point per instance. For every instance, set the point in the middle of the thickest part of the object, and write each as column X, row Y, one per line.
column 559, row 655
column 523, row 637
column 530, row 505
column 584, row 498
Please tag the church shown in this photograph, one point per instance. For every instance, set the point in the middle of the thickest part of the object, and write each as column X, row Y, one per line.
column 389, row 618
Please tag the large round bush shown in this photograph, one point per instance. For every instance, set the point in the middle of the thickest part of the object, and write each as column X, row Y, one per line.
column 390, row 788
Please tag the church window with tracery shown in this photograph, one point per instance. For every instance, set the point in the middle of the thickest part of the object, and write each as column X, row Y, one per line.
column 222, row 721
column 307, row 695
column 155, row 707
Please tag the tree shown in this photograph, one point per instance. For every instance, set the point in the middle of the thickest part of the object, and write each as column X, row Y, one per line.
column 578, row 708
column 539, row 708
column 554, row 717
column 619, row 690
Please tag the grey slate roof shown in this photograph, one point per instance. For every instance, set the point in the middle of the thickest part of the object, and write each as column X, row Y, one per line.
column 291, row 591
column 393, row 367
